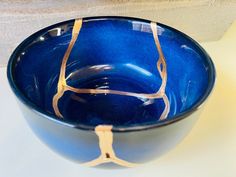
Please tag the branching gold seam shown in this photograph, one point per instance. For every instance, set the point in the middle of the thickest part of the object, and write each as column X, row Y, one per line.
column 104, row 132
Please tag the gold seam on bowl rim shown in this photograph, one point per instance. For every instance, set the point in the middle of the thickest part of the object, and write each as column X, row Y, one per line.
column 104, row 132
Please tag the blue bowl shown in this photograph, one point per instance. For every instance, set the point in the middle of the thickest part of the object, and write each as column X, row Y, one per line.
column 110, row 91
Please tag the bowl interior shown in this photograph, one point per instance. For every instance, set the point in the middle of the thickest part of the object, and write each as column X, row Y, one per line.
column 117, row 54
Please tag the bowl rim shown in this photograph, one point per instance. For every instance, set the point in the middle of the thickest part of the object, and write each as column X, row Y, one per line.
column 130, row 128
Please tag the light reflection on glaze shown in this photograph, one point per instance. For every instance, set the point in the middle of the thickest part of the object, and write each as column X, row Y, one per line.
column 137, row 68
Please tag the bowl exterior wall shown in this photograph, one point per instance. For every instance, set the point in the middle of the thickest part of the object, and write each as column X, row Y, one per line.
column 83, row 145
column 147, row 145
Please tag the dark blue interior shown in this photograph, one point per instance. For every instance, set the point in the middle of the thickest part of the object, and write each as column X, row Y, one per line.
column 112, row 53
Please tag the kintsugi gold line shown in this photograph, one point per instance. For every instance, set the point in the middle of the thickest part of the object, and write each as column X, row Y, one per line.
column 105, row 136
column 162, row 68
column 104, row 132
column 62, row 81
column 62, row 85
column 161, row 60
column 115, row 92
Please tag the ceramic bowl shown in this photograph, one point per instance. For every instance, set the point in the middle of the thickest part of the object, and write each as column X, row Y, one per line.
column 110, row 91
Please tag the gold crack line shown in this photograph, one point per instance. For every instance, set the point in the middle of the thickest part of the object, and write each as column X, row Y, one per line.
column 161, row 60
column 162, row 69
column 106, row 146
column 62, row 85
column 105, row 142
column 105, row 136
column 62, row 81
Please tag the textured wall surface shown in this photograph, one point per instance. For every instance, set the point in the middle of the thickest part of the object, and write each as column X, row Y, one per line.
column 204, row 20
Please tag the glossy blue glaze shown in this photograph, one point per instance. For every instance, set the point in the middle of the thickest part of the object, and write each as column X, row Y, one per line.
column 116, row 54
column 110, row 53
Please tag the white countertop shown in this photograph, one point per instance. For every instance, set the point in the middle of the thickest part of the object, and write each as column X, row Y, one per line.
column 208, row 151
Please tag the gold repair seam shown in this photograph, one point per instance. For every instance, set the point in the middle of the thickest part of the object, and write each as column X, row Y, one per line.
column 104, row 132
column 105, row 136
column 62, row 85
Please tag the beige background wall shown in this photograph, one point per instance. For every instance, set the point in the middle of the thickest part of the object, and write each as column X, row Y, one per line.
column 204, row 20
